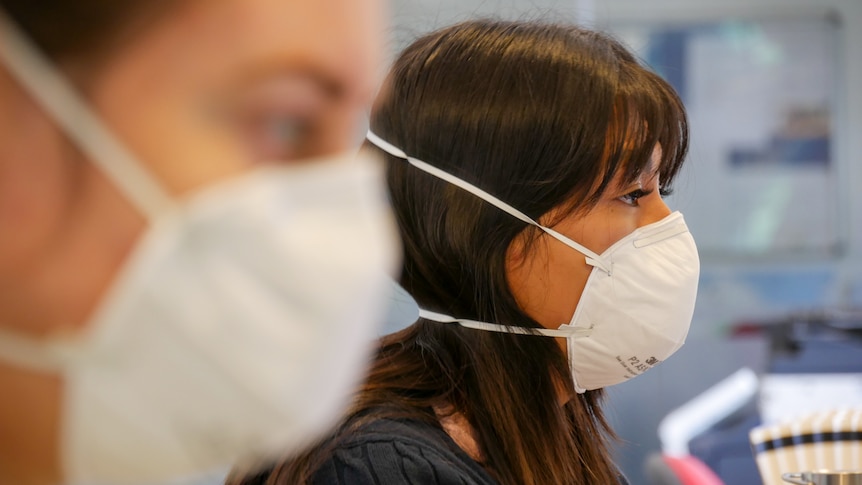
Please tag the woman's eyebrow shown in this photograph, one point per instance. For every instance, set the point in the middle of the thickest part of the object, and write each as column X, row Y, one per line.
column 328, row 87
column 654, row 165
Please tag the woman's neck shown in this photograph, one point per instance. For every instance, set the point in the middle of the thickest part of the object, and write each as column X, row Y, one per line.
column 456, row 425
column 459, row 429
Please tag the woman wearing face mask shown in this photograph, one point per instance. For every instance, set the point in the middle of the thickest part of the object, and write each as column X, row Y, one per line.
column 526, row 164
column 177, row 290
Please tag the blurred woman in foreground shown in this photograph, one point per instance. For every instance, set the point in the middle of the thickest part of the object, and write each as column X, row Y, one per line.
column 192, row 261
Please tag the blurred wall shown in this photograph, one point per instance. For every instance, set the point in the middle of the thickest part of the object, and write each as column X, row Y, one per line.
column 738, row 289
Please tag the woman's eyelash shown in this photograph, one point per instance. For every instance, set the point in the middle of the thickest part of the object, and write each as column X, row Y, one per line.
column 633, row 196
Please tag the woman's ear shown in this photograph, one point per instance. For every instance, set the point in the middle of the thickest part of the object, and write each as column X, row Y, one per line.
column 516, row 252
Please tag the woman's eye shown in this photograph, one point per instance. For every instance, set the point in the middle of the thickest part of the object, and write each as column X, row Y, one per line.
column 632, row 197
column 278, row 116
column 275, row 138
column 284, row 132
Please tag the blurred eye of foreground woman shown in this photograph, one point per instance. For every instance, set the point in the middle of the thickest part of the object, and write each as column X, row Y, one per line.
column 169, row 303
column 525, row 163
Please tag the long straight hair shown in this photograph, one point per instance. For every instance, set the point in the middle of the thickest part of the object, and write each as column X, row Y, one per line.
column 543, row 116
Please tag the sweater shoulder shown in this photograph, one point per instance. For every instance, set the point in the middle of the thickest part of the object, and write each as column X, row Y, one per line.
column 387, row 451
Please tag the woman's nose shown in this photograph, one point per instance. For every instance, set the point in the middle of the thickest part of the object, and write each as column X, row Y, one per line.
column 656, row 210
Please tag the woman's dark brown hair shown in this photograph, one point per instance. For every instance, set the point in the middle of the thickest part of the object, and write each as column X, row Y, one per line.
column 82, row 31
column 542, row 116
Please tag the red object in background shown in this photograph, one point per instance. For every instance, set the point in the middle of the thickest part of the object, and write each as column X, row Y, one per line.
column 691, row 471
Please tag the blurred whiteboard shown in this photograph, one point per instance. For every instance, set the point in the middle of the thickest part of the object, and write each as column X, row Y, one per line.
column 761, row 177
column 785, row 397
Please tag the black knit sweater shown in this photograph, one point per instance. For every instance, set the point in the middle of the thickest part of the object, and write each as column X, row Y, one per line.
column 398, row 452
column 394, row 452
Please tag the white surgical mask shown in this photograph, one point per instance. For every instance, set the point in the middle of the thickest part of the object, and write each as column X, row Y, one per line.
column 637, row 305
column 239, row 324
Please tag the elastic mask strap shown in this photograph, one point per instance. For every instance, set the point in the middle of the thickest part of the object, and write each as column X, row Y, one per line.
column 44, row 356
column 57, row 97
column 592, row 258
column 494, row 327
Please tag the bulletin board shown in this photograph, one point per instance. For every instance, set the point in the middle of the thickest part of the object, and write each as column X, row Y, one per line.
column 761, row 176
